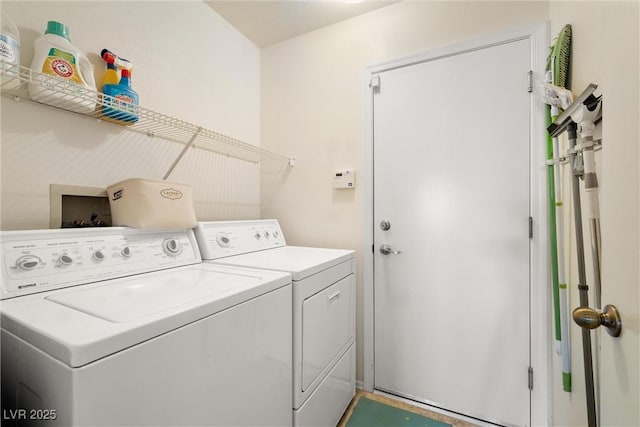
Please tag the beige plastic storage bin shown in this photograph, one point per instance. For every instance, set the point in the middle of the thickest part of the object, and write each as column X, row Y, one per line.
column 145, row 203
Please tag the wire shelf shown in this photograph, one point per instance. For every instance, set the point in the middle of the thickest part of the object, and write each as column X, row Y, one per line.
column 24, row 84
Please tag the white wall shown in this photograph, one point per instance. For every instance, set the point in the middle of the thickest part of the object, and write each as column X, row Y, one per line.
column 312, row 107
column 188, row 62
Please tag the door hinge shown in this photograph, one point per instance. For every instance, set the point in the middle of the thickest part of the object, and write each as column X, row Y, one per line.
column 373, row 249
column 374, row 82
column 530, row 381
column 530, row 227
column 530, row 81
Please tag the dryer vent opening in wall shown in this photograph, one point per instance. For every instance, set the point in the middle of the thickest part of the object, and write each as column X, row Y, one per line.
column 78, row 207
column 85, row 211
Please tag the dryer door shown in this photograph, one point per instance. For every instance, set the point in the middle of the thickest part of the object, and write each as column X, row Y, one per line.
column 327, row 328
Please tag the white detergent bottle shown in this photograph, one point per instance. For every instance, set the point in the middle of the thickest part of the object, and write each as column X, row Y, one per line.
column 9, row 53
column 66, row 80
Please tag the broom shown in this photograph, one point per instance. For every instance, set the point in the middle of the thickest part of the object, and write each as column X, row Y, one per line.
column 558, row 73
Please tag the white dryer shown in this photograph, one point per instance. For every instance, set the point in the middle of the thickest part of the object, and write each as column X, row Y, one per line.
column 323, row 309
column 117, row 326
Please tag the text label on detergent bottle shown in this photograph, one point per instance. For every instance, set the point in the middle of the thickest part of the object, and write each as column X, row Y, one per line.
column 8, row 48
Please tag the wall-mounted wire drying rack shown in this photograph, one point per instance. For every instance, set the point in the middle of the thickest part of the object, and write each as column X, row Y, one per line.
column 69, row 97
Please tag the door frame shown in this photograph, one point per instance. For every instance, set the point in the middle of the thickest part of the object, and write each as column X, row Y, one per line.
column 540, row 333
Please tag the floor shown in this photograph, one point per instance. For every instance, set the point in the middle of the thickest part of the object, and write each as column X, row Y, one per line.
column 407, row 407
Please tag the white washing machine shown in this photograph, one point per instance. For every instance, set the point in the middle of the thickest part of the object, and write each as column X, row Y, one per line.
column 323, row 309
column 124, row 327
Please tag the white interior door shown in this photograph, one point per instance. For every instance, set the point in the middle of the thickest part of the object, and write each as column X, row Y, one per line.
column 619, row 358
column 451, row 176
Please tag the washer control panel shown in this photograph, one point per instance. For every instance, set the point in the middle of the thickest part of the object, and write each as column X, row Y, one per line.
column 39, row 260
column 219, row 239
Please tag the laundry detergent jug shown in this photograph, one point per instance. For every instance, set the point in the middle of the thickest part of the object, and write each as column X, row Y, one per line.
column 67, row 76
column 9, row 52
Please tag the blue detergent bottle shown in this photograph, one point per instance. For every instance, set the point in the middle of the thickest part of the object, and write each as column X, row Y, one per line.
column 121, row 103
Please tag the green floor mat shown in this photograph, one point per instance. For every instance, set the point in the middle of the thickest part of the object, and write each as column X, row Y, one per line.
column 369, row 413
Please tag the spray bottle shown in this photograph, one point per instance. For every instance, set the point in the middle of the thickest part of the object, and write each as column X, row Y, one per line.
column 120, row 101
column 111, row 74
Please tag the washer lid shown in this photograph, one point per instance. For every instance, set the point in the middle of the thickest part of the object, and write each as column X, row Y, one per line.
column 300, row 261
column 129, row 300
column 80, row 325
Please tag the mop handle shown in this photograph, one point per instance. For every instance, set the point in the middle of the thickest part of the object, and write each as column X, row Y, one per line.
column 582, row 286
column 593, row 206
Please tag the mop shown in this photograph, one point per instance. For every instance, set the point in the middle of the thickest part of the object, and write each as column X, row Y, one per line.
column 558, row 74
column 582, row 280
column 586, row 116
column 585, row 111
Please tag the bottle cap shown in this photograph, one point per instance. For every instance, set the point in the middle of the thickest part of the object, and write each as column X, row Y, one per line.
column 58, row 29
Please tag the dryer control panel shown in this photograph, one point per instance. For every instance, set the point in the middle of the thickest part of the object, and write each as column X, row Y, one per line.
column 219, row 239
column 41, row 260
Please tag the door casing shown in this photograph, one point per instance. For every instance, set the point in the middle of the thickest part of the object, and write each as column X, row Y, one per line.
column 540, row 292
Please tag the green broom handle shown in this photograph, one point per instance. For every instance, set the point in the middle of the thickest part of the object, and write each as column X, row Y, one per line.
column 562, row 282
column 553, row 242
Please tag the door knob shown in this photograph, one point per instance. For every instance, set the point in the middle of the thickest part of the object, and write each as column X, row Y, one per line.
column 589, row 318
column 386, row 250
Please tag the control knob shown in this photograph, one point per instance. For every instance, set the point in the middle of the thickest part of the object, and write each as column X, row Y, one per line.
column 125, row 252
column 98, row 256
column 172, row 247
column 27, row 262
column 64, row 260
column 223, row 239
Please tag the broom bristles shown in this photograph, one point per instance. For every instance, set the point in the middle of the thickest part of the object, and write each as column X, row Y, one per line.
column 562, row 57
